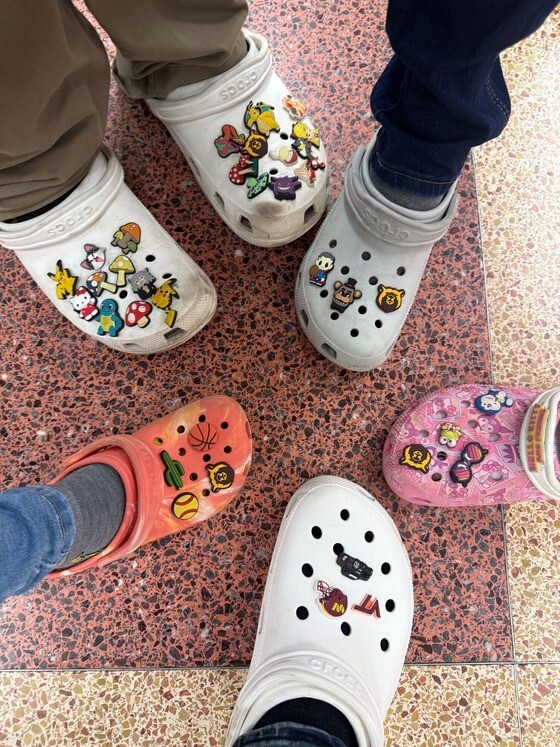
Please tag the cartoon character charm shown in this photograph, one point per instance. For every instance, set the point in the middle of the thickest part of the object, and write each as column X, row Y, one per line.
column 285, row 154
column 306, row 173
column 461, row 471
column 416, row 456
column 333, row 602
column 84, row 303
column 492, row 402
column 64, row 281
column 389, row 299
column 143, row 283
column 221, row 476
column 319, row 271
column 295, row 108
column 230, row 141
column 163, row 297
column 344, row 294
column 449, row 434
column 255, row 187
column 127, row 237
column 256, row 145
column 95, row 257
column 261, row 117
column 109, row 320
column 284, row 187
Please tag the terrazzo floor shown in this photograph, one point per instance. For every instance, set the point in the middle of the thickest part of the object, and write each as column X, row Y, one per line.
column 485, row 672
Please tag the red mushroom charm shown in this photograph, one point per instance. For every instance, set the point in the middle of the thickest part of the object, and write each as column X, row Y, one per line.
column 138, row 314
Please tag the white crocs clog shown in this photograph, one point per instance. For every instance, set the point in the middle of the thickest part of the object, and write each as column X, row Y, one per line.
column 252, row 149
column 111, row 269
column 358, row 280
column 336, row 614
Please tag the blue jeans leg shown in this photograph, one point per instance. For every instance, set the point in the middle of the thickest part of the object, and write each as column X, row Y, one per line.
column 37, row 529
column 443, row 91
column 288, row 734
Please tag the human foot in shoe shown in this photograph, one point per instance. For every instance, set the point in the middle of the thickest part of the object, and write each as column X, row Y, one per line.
column 252, row 149
column 359, row 279
column 474, row 445
column 111, row 269
column 336, row 614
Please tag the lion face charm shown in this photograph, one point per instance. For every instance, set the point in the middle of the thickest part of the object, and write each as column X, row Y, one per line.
column 389, row 299
column 417, row 457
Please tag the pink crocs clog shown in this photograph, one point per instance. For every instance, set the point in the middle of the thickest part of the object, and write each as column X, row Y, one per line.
column 475, row 445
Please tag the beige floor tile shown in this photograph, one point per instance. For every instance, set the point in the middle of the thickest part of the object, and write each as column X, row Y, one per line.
column 539, row 704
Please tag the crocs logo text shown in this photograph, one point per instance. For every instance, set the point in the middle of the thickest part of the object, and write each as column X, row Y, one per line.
column 373, row 221
column 69, row 222
column 331, row 670
column 239, row 85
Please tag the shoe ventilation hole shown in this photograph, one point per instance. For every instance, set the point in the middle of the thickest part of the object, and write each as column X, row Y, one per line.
column 283, row 136
column 384, row 643
column 442, row 456
column 175, row 334
column 132, row 346
column 317, row 532
column 273, row 172
column 224, row 425
column 150, row 258
column 334, row 316
column 362, row 309
column 390, row 605
column 496, row 476
column 309, row 213
column 473, row 423
column 400, row 271
column 333, row 243
column 337, row 548
column 344, row 270
column 368, row 536
column 302, row 613
column 166, row 276
column 328, row 350
column 373, row 280
column 494, row 437
column 354, row 332
column 466, row 403
column 346, row 629
column 385, row 569
column 324, row 293
column 303, row 315
column 123, row 294
column 307, row 570
column 180, row 429
column 206, row 458
column 158, row 441
column 378, row 323
column 344, row 514
column 182, row 451
column 246, row 223
column 193, row 477
column 206, row 492
column 227, row 449
column 423, row 434
column 436, row 477
column 441, row 414
column 219, row 199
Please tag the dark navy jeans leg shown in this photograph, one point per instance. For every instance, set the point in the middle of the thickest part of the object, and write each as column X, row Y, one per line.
column 288, row 734
column 443, row 91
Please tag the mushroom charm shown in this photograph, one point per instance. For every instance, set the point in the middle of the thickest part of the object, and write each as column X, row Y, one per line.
column 138, row 314
column 122, row 266
column 163, row 297
column 127, row 237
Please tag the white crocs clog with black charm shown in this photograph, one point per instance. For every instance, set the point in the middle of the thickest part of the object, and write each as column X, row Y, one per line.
column 336, row 614
column 111, row 269
column 358, row 280
column 252, row 149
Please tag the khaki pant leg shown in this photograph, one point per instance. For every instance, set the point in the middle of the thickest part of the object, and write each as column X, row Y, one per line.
column 164, row 44
column 54, row 88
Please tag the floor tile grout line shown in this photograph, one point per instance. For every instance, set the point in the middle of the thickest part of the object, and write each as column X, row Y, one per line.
column 508, row 582
column 517, row 704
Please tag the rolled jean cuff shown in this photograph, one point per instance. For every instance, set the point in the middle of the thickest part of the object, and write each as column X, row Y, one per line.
column 38, row 529
column 288, row 734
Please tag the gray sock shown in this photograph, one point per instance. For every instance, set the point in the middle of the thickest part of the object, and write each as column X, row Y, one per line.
column 97, row 498
column 404, row 199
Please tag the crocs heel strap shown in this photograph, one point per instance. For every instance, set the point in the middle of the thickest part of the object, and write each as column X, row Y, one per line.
column 310, row 674
column 537, row 445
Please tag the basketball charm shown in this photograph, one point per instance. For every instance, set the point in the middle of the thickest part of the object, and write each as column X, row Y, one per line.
column 185, row 506
column 203, row 436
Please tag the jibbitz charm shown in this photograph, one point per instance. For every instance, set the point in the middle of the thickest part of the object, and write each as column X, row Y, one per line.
column 306, row 173
column 295, row 108
column 246, row 167
column 461, row 471
column 127, row 237
column 95, row 257
column 332, row 601
column 230, row 141
column 284, row 187
column 449, row 434
column 64, row 281
column 138, row 314
column 344, row 294
column 416, row 456
column 84, row 303
column 389, row 299
column 261, row 117
column 185, row 506
column 163, row 297
column 492, row 402
column 109, row 320
column 255, row 187
column 285, row 154
column 304, row 137
column 122, row 267
column 317, row 165
column 143, row 283
column 96, row 283
column 353, row 568
column 256, row 145
column 368, row 606
column 173, row 471
column 202, row 437
column 319, row 271
column 221, row 476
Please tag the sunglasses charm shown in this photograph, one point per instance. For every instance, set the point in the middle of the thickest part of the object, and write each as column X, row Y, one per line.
column 461, row 471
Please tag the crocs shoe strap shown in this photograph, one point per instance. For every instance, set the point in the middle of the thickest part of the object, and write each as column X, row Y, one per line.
column 537, row 442
column 71, row 217
column 386, row 224
column 310, row 674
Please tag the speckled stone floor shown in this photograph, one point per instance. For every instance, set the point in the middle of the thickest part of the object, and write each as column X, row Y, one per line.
column 484, row 663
